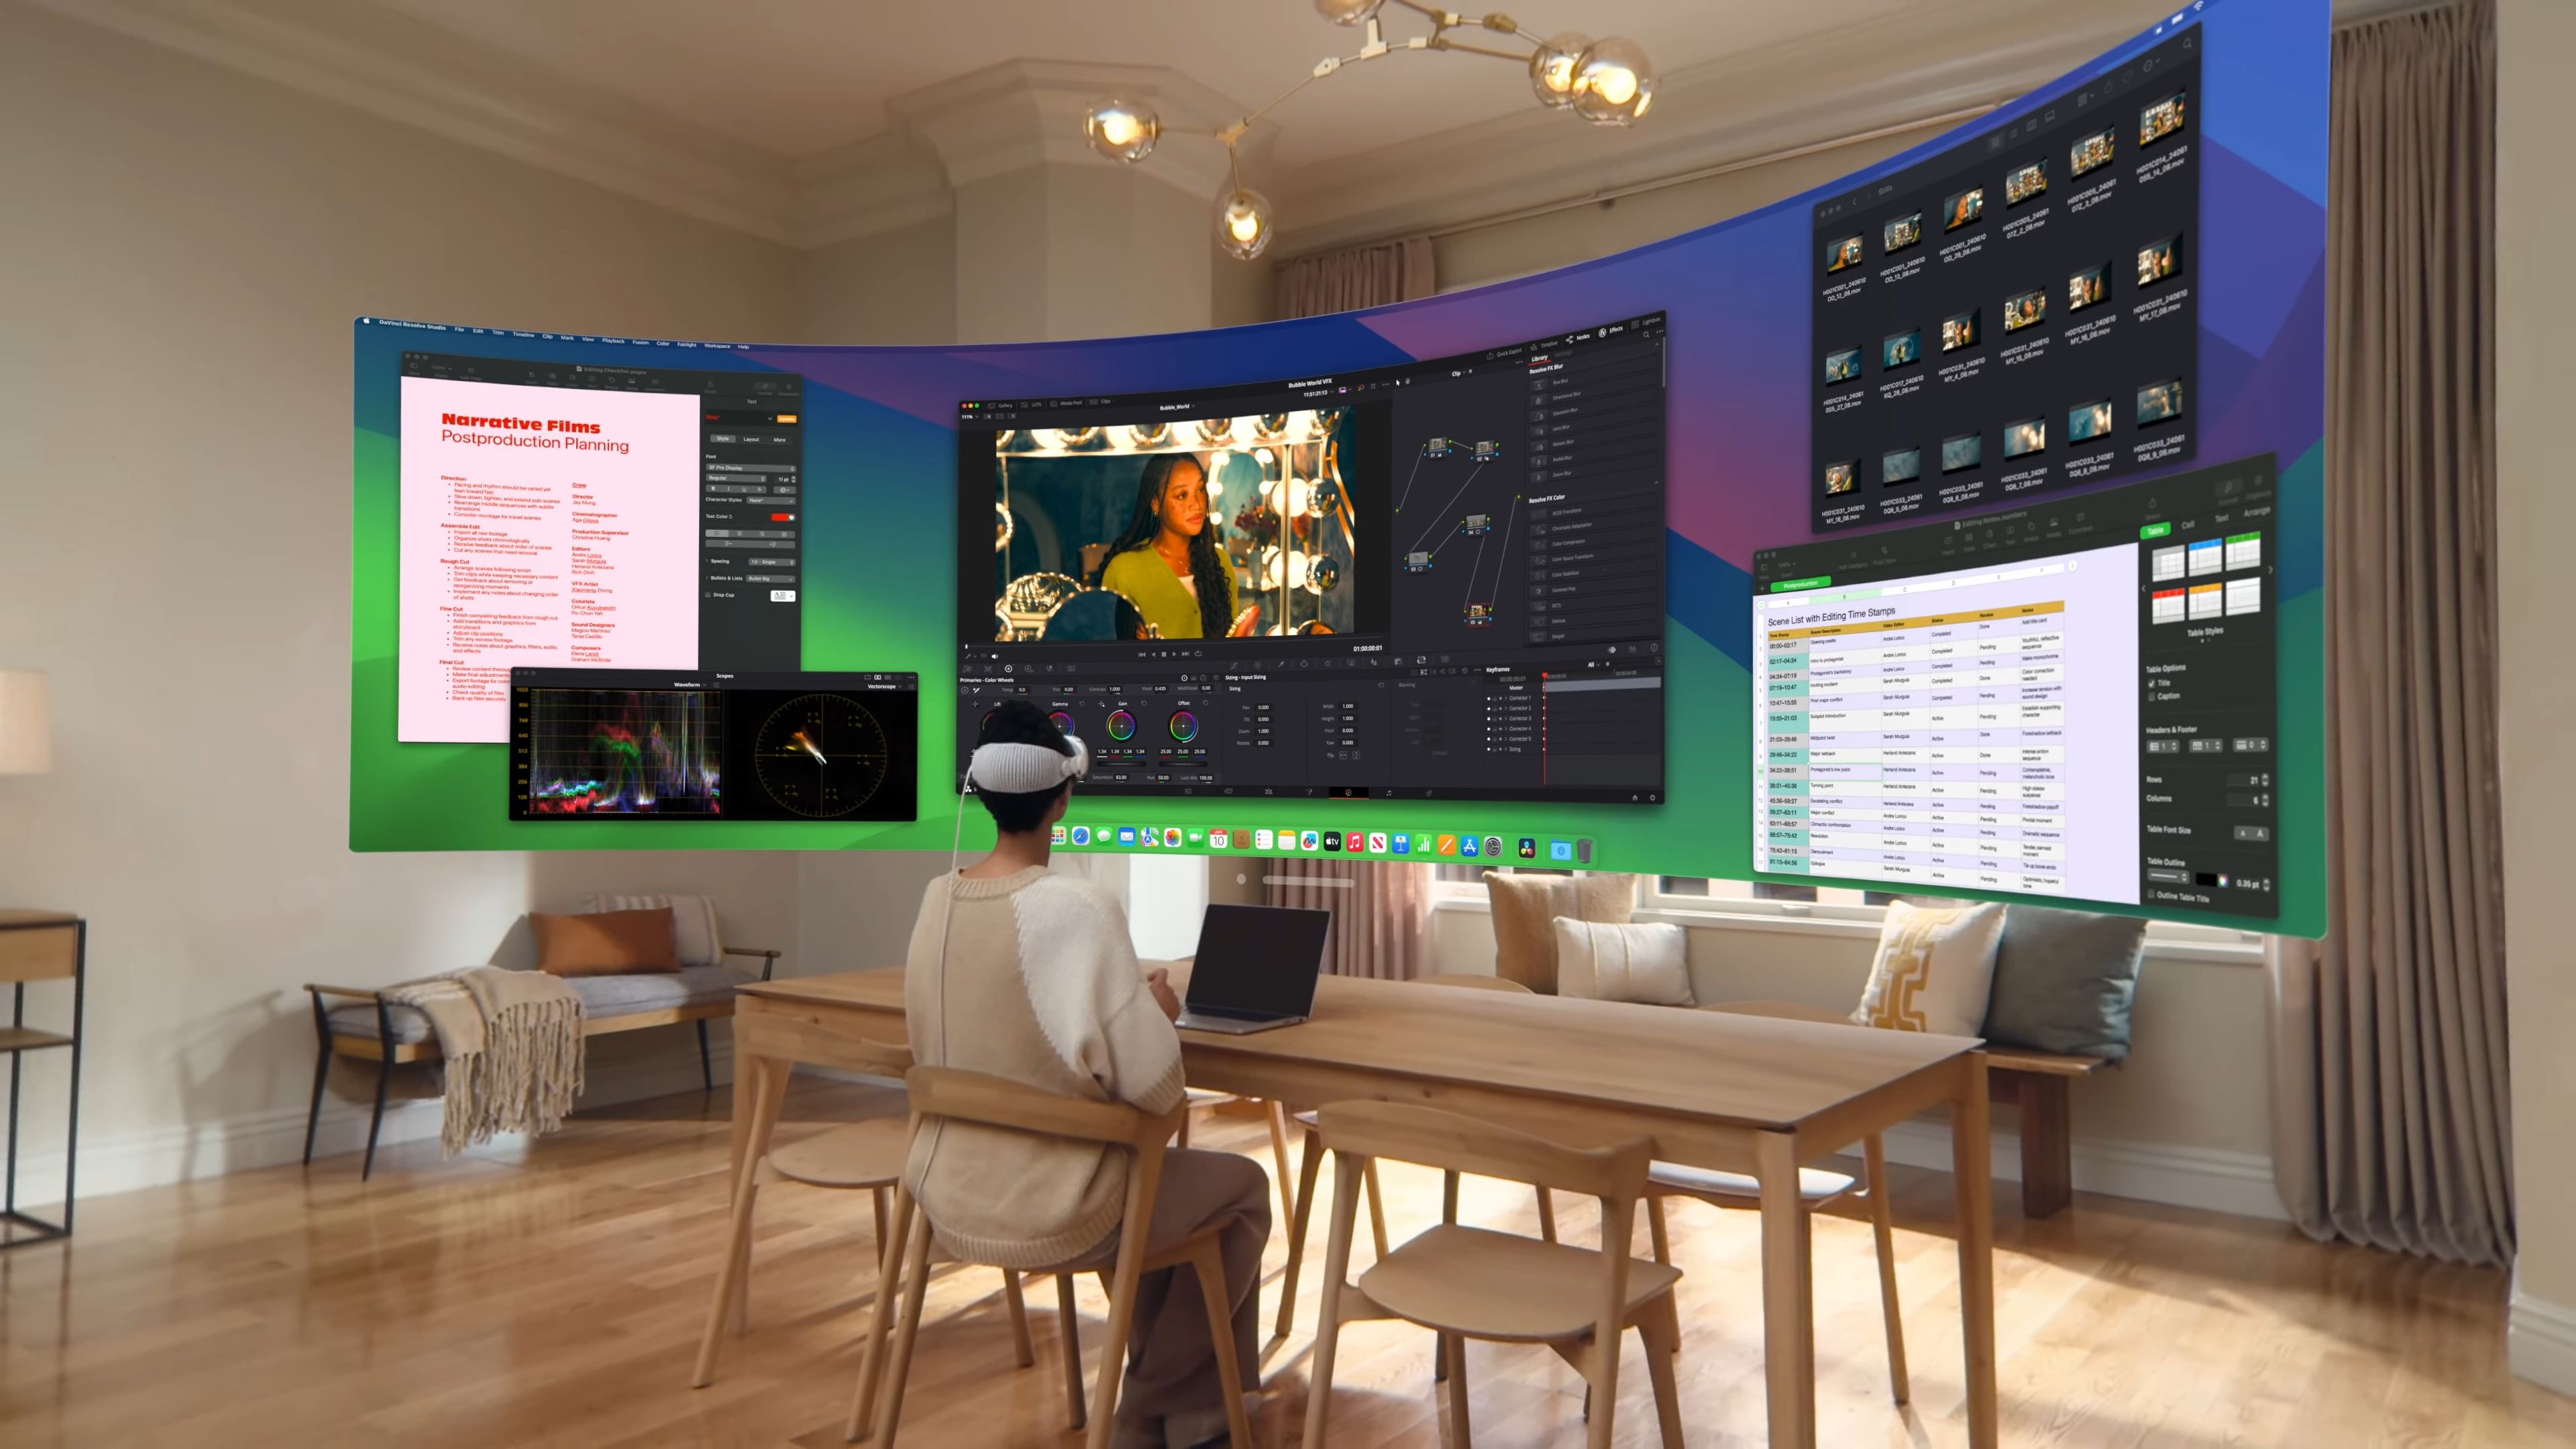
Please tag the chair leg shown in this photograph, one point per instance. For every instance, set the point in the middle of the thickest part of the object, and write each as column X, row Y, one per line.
column 313, row 1114
column 1546, row 1216
column 376, row 1123
column 1656, row 1230
column 877, row 1202
column 737, row 1252
column 1328, row 1325
column 1018, row 1304
column 1068, row 1327
column 1882, row 1227
column 1453, row 1358
column 1209, row 1259
column 1449, row 1196
column 916, row 1279
column 1377, row 1209
column 1661, row 1329
column 706, row 1057
column 880, row 1317
column 1122, row 1327
column 1310, row 1158
column 1183, row 1138
column 1279, row 1158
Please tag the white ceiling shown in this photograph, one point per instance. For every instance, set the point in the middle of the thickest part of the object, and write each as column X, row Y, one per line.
column 796, row 78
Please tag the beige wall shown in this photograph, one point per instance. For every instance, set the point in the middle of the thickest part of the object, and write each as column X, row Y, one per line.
column 2536, row 112
column 1495, row 253
column 894, row 289
column 181, row 254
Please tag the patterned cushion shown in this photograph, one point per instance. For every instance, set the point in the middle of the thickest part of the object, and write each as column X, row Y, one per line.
column 1935, row 968
column 693, row 923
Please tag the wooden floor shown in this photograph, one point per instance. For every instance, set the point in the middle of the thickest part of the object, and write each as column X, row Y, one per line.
column 554, row 1295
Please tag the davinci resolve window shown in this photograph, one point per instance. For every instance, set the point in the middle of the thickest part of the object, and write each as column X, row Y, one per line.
column 1443, row 580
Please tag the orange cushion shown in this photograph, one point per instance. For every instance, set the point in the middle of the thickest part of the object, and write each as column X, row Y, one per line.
column 606, row 943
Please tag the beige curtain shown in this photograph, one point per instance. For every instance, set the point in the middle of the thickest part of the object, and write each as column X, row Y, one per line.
column 1377, row 905
column 2390, row 1109
column 1369, row 276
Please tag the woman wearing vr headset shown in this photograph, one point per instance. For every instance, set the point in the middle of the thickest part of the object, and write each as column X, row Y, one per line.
column 1026, row 974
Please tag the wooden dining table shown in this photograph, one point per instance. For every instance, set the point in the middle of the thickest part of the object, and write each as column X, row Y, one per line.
column 1747, row 1094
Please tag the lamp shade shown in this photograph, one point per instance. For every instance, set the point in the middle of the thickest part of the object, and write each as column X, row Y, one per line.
column 26, row 735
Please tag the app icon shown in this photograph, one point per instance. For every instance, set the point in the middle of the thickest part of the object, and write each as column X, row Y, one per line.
column 1261, row 840
column 1560, row 850
column 1403, row 843
column 1056, row 836
column 1448, row 845
column 1332, row 840
column 1153, row 837
column 1126, row 835
column 1494, row 846
column 1529, row 848
column 1357, row 843
column 1309, row 840
column 1583, row 851
column 1082, row 835
column 1198, row 837
column 1217, row 839
column 1466, row 846
column 1288, row 840
column 1172, row 837
column 1377, row 842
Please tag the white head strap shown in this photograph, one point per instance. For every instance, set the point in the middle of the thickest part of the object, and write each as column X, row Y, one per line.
column 1017, row 769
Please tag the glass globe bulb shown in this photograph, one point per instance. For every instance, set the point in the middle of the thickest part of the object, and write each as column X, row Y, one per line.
column 1297, row 568
column 1297, row 496
column 1322, row 574
column 1243, row 224
column 1122, row 130
column 1551, row 67
column 1614, row 82
column 1347, row 12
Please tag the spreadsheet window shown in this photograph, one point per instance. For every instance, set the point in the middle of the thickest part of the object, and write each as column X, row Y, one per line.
column 1946, row 730
column 2072, row 700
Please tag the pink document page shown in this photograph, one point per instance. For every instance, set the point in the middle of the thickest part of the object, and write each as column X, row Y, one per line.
column 550, row 527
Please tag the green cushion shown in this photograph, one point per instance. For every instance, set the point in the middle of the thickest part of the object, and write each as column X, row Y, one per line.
column 2064, row 981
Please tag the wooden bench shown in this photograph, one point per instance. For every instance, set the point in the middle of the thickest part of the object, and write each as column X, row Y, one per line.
column 350, row 1030
column 2036, row 1082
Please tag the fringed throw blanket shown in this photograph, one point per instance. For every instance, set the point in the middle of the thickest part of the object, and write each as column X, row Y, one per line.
column 513, row 1047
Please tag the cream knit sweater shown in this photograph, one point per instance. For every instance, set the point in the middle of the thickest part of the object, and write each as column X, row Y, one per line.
column 1030, row 977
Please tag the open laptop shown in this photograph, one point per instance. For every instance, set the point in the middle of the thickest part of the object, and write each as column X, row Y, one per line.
column 1256, row 968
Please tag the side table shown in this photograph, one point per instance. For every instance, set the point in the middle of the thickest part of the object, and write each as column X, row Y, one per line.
column 40, row 946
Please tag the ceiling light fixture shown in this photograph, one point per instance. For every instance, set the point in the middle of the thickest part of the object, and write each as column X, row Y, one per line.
column 1608, row 82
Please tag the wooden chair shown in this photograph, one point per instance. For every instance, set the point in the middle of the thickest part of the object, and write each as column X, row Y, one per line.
column 1311, row 1160
column 1464, row 1283
column 865, row 1156
column 942, row 1093
column 1816, row 1188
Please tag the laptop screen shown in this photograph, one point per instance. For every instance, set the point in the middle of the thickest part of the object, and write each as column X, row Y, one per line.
column 1258, row 960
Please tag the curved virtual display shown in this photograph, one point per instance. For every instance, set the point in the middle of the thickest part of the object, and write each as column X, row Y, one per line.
column 1956, row 528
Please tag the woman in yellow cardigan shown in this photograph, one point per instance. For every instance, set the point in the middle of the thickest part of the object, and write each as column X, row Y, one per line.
column 1167, row 562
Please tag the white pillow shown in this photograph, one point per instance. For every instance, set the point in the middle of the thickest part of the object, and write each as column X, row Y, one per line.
column 1645, row 961
column 1935, row 968
column 693, row 923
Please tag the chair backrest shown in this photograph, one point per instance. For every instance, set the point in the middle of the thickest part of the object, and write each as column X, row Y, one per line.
column 947, row 1092
column 1784, row 1011
column 1469, row 981
column 1433, row 1138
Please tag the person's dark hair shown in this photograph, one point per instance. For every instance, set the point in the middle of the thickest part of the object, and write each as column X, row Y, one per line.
column 1209, row 569
column 1018, row 722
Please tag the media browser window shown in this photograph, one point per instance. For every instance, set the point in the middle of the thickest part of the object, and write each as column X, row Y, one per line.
column 1440, row 580
column 2020, row 309
column 2076, row 699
